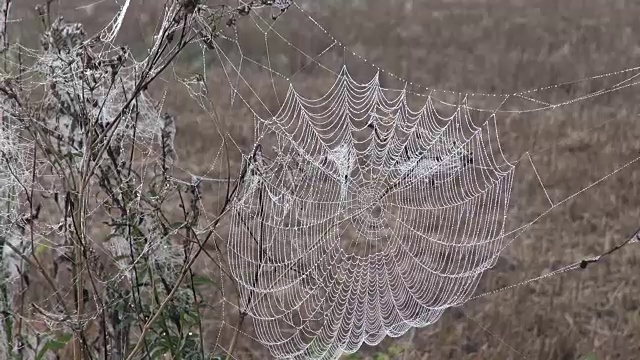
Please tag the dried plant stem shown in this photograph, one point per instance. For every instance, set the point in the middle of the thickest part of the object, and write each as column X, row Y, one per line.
column 236, row 333
column 79, row 276
column 82, row 102
column 36, row 264
column 183, row 273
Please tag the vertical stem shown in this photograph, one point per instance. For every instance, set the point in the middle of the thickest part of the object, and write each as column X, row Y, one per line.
column 5, row 292
column 79, row 301
column 243, row 313
column 78, row 270
column 234, row 339
column 5, row 6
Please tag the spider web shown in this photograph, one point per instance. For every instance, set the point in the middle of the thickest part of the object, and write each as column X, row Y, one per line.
column 371, row 203
column 337, row 225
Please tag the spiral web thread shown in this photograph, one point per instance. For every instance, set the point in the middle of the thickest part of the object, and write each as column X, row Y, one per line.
column 362, row 204
column 363, row 215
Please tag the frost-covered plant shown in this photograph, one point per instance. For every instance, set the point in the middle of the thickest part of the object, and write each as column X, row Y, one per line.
column 13, row 176
column 88, row 197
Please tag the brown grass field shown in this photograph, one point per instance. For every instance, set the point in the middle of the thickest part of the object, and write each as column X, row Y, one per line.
column 499, row 46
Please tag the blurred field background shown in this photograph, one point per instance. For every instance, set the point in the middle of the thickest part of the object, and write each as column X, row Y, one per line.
column 482, row 46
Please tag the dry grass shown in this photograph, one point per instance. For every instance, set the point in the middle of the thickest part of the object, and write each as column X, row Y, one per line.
column 505, row 46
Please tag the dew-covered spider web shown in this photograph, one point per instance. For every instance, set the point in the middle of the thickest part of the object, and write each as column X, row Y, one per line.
column 371, row 204
column 365, row 219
